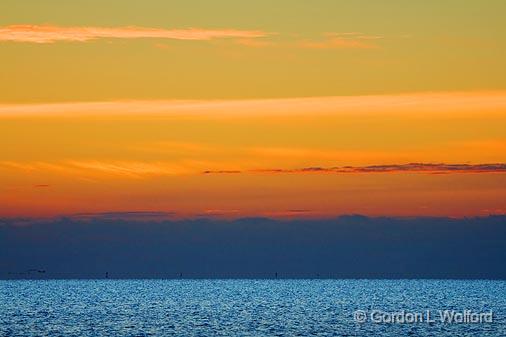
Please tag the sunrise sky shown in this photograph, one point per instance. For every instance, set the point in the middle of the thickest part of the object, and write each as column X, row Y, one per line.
column 263, row 108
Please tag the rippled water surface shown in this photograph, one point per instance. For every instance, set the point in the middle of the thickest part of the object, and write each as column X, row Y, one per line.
column 243, row 307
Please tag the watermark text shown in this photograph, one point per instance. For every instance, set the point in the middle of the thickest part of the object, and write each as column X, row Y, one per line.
column 426, row 316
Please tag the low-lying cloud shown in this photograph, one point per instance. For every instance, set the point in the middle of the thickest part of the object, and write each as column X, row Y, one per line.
column 343, row 247
column 432, row 168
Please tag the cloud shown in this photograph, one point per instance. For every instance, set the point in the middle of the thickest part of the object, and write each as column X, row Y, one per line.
column 127, row 215
column 221, row 172
column 44, row 34
column 139, row 169
column 125, row 168
column 51, row 34
column 95, row 168
column 351, row 40
column 221, row 213
column 428, row 104
column 431, row 168
column 299, row 210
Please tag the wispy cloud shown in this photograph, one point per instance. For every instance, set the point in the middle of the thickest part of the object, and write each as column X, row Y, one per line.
column 221, row 172
column 96, row 168
column 44, row 34
column 127, row 215
column 427, row 103
column 219, row 213
column 51, row 34
column 431, row 168
column 352, row 40
column 124, row 168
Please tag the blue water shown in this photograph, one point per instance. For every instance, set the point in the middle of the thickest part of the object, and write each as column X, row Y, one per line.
column 243, row 307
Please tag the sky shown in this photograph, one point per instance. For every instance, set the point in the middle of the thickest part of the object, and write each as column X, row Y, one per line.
column 234, row 109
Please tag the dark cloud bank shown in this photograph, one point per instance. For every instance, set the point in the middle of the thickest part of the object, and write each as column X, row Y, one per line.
column 344, row 247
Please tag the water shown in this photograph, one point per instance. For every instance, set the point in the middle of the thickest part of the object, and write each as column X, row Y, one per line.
column 242, row 307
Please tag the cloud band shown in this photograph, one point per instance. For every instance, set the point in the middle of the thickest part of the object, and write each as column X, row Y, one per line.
column 431, row 168
column 51, row 34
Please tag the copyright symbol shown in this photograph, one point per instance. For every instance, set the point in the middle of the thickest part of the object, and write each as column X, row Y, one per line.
column 360, row 316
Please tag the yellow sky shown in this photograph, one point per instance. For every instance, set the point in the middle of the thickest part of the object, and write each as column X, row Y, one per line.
column 112, row 50
column 268, row 108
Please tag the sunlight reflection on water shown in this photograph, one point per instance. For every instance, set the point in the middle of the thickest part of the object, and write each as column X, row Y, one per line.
column 240, row 307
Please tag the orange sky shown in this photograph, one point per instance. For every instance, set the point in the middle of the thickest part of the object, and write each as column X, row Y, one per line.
column 261, row 108
column 318, row 156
